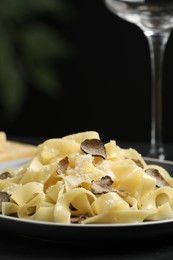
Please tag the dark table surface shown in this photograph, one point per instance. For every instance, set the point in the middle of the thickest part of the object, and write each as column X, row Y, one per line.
column 17, row 247
column 23, row 248
column 14, row 246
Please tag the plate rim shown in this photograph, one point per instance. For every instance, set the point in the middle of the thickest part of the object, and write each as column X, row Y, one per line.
column 157, row 160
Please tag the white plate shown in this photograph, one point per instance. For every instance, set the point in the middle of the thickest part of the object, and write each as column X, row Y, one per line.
column 81, row 232
column 13, row 163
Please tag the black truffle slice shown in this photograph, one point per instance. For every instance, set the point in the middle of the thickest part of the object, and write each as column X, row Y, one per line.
column 62, row 165
column 104, row 186
column 94, row 147
column 5, row 175
column 160, row 181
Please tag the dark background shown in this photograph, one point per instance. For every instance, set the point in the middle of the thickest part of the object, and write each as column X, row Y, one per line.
column 105, row 81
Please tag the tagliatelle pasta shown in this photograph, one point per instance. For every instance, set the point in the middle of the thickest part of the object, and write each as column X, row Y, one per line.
column 80, row 179
column 13, row 150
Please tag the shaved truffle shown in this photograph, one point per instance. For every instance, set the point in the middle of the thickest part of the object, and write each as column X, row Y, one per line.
column 78, row 219
column 62, row 165
column 138, row 163
column 104, row 186
column 160, row 181
column 5, row 175
column 4, row 197
column 94, row 147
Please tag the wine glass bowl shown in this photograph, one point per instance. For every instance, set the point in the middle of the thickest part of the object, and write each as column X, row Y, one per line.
column 148, row 15
column 155, row 19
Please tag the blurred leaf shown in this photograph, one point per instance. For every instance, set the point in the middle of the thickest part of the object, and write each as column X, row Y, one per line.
column 42, row 43
column 47, row 80
column 29, row 48
column 21, row 9
column 11, row 82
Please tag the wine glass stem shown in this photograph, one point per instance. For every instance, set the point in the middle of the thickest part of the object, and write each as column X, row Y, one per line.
column 157, row 45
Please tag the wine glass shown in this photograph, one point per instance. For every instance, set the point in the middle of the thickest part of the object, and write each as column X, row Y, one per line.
column 155, row 19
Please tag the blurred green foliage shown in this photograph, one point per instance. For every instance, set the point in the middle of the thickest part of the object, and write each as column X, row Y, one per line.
column 29, row 48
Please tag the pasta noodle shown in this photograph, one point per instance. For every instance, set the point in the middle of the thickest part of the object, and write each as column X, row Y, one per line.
column 80, row 179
